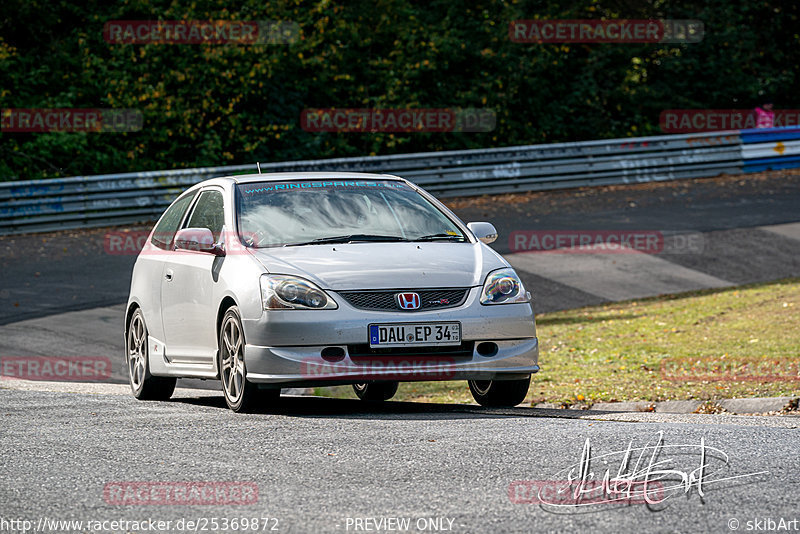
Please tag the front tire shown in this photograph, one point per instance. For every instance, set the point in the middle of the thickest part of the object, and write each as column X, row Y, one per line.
column 240, row 394
column 499, row 393
column 143, row 385
column 375, row 391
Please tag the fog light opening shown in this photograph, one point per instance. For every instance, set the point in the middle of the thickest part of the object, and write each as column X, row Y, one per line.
column 332, row 354
column 487, row 349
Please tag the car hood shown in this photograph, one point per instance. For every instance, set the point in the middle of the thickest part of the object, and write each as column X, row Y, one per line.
column 384, row 265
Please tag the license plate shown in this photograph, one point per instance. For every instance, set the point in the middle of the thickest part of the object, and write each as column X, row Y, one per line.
column 408, row 334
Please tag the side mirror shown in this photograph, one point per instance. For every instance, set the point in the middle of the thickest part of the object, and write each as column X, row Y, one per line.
column 197, row 239
column 484, row 231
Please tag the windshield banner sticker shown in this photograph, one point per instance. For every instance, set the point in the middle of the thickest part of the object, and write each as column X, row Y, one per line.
column 287, row 186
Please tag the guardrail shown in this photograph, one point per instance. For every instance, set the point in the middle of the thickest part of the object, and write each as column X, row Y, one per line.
column 775, row 148
column 85, row 201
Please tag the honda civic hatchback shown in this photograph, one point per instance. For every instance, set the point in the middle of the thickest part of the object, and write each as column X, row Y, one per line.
column 271, row 281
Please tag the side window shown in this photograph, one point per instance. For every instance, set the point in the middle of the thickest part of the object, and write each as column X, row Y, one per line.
column 168, row 225
column 209, row 212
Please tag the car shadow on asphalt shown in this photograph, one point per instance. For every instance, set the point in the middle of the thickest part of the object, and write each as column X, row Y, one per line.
column 311, row 407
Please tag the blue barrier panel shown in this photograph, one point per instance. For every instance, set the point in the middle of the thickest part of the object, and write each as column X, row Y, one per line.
column 769, row 149
column 771, row 164
column 765, row 135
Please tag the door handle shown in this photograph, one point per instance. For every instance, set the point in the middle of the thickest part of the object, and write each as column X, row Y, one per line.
column 168, row 275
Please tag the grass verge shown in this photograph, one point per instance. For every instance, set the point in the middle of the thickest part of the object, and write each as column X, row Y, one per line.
column 704, row 345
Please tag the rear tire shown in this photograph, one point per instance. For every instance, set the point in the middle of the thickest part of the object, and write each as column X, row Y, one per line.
column 375, row 391
column 137, row 359
column 241, row 395
column 499, row 393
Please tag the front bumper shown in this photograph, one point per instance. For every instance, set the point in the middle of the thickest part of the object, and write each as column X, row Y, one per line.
column 284, row 347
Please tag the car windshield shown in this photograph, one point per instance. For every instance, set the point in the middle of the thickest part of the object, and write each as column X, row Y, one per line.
column 305, row 212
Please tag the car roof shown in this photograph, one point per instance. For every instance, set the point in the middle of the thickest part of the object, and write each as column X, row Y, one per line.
column 280, row 176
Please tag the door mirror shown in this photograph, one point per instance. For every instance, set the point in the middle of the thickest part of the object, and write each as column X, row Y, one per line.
column 197, row 239
column 484, row 231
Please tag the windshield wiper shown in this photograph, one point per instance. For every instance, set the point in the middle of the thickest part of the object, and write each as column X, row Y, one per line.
column 434, row 237
column 348, row 239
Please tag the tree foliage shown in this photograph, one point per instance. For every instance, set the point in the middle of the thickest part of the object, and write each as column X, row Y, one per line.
column 229, row 104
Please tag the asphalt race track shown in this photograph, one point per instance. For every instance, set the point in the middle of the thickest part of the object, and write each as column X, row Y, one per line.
column 319, row 463
column 332, row 465
column 746, row 227
column 63, row 294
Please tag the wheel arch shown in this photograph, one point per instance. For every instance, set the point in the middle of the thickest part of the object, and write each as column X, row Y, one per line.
column 132, row 307
column 224, row 305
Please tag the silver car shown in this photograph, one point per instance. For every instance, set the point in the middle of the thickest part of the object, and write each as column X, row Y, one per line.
column 270, row 281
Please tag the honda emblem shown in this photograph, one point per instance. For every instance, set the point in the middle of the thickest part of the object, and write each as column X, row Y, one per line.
column 408, row 301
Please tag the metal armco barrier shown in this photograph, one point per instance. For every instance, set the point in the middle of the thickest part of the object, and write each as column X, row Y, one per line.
column 111, row 199
column 769, row 149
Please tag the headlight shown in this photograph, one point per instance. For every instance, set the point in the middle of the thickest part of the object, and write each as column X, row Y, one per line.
column 503, row 286
column 283, row 292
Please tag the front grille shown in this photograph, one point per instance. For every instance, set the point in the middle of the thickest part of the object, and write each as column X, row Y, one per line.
column 364, row 351
column 430, row 299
